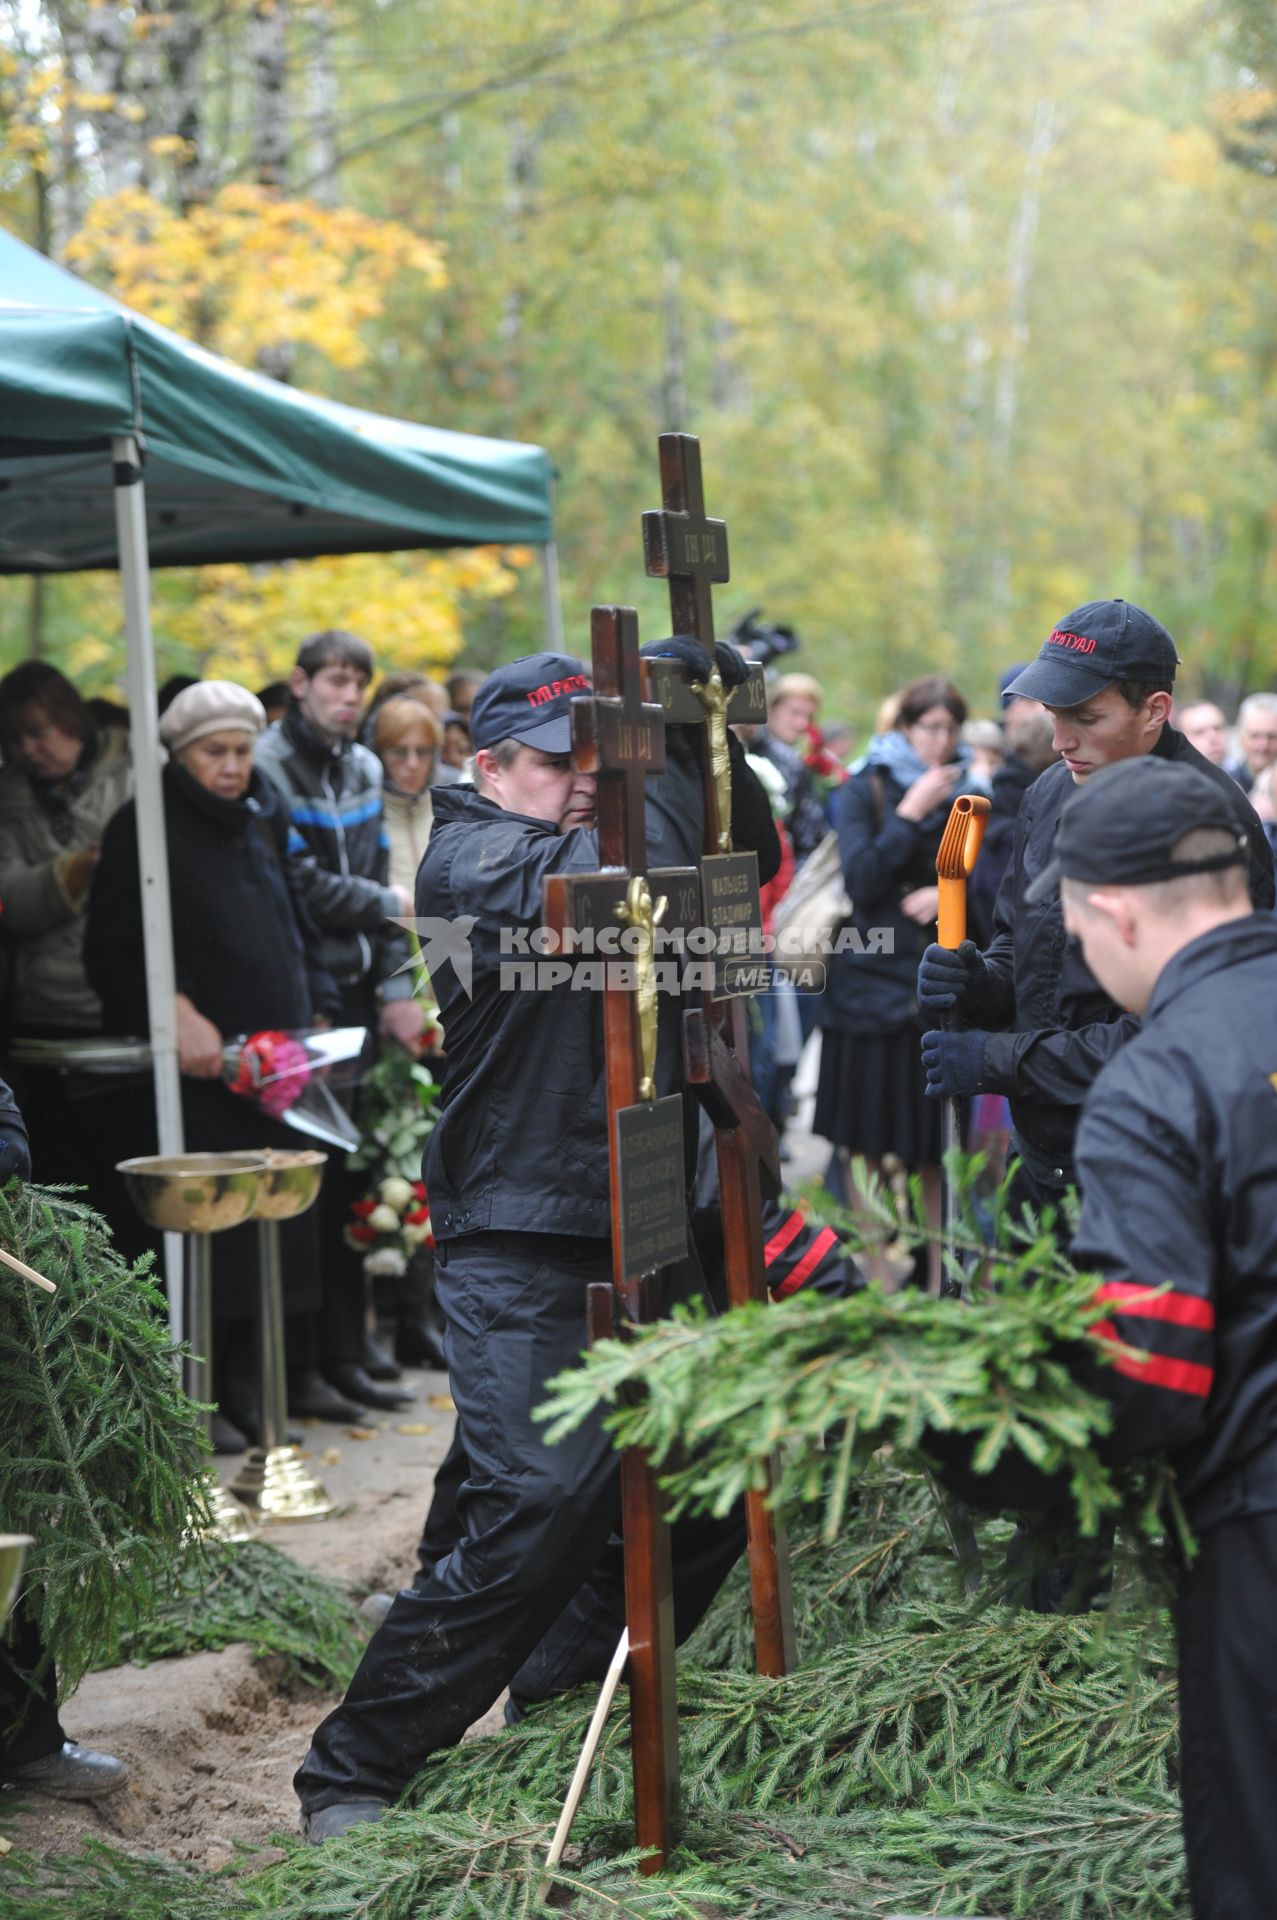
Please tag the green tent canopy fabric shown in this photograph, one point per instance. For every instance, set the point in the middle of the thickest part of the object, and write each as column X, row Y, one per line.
column 237, row 467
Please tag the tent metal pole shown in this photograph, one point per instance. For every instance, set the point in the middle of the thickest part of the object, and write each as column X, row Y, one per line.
column 552, row 605
column 152, row 848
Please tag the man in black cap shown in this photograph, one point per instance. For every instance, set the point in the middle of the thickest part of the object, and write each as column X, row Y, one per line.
column 1177, row 1164
column 1038, row 1026
column 517, row 1173
column 1028, row 729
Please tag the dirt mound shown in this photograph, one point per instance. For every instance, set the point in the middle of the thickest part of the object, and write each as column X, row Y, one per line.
column 212, row 1741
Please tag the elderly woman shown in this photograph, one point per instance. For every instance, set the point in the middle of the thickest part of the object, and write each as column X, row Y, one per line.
column 246, row 958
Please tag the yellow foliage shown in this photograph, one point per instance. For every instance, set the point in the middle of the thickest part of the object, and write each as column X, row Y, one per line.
column 166, row 144
column 251, row 270
column 245, row 622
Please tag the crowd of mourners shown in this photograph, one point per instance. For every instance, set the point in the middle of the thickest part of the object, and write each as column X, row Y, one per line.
column 307, row 824
column 297, row 820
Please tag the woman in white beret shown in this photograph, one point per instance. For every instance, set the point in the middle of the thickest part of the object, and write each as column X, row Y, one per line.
column 246, row 958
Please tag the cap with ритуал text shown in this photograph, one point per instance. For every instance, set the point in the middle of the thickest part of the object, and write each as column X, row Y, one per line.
column 529, row 700
column 1103, row 641
column 1121, row 828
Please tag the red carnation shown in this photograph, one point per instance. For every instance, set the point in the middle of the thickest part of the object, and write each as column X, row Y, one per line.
column 419, row 1188
column 362, row 1236
column 362, row 1208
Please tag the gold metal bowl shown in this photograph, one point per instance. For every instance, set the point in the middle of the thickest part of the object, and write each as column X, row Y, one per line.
column 13, row 1551
column 193, row 1192
column 290, row 1183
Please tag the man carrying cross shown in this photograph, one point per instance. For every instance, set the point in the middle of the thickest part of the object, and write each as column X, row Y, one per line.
column 517, row 1169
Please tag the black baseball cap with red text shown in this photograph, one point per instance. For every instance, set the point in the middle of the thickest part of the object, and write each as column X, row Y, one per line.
column 529, row 700
column 1103, row 641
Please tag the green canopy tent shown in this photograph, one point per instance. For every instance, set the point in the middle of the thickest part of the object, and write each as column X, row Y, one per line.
column 124, row 446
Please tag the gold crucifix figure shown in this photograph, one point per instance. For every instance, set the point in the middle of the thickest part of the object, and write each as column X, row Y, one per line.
column 636, row 910
column 712, row 695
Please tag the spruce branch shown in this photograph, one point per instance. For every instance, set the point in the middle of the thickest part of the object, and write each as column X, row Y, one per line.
column 710, row 1400
column 100, row 1447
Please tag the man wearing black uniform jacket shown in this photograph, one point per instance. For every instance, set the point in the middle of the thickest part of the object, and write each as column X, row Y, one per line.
column 1177, row 1163
column 517, row 1171
column 1037, row 1025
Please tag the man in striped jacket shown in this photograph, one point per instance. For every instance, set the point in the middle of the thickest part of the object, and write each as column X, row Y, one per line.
column 1177, row 1163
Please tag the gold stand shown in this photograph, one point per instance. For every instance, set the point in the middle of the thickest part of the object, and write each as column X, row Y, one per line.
column 228, row 1519
column 13, row 1553
column 198, row 1194
column 274, row 1482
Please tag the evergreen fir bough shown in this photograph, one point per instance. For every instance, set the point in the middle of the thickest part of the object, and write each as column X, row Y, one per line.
column 249, row 1592
column 932, row 1753
column 826, row 1384
column 99, row 1447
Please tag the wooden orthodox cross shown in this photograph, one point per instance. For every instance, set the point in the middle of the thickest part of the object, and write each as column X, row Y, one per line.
column 681, row 545
column 619, row 735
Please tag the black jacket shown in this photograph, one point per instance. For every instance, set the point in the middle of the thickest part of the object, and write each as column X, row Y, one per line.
column 804, row 815
column 1010, row 784
column 1053, row 1026
column 1177, row 1161
column 337, row 839
column 884, row 857
column 244, row 948
column 521, row 1139
column 15, row 1149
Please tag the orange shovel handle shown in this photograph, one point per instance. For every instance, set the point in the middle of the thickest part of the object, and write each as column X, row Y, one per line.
column 959, row 850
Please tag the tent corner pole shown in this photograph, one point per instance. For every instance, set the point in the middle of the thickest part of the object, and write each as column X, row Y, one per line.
column 152, row 847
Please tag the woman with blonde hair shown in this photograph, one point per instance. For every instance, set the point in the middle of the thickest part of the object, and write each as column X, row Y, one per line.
column 405, row 738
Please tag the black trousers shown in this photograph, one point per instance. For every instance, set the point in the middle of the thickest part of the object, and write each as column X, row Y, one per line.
column 29, row 1724
column 1227, row 1620
column 580, row 1644
column 534, row 1523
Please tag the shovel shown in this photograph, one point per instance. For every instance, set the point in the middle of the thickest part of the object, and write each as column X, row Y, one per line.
column 959, row 850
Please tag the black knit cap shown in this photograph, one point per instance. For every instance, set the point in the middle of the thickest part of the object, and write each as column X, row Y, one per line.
column 1121, row 826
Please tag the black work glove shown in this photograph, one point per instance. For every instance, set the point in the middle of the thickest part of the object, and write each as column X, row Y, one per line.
column 954, row 1063
column 15, row 1154
column 949, row 975
column 689, row 652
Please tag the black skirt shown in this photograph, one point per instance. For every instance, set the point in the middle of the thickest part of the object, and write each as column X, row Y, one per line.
column 870, row 1097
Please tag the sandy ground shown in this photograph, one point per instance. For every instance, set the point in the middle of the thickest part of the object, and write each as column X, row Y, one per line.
column 212, row 1740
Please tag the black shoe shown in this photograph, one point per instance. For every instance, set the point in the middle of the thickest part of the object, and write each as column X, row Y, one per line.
column 311, row 1398
column 331, row 1822
column 243, row 1414
column 227, row 1437
column 418, row 1345
column 377, row 1363
column 350, row 1379
column 70, row 1772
